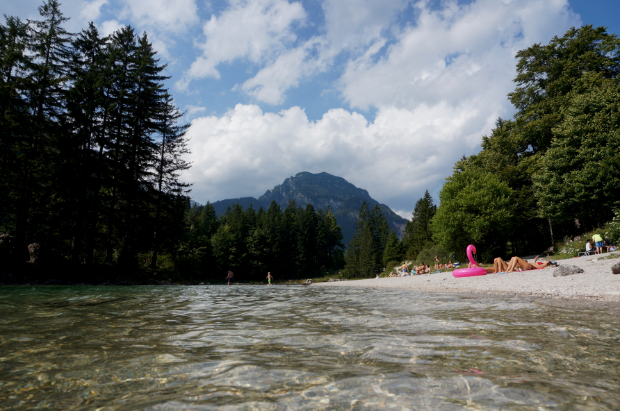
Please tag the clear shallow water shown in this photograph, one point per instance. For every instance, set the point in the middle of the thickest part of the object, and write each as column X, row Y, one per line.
column 272, row 348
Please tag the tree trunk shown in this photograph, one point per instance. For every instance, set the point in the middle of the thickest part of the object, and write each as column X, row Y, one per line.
column 551, row 231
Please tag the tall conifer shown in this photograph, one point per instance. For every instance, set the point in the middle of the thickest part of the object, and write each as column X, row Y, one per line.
column 45, row 91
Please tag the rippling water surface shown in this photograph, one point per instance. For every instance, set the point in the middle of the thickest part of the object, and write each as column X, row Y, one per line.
column 273, row 348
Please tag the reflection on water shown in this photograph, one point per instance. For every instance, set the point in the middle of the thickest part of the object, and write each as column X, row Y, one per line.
column 258, row 347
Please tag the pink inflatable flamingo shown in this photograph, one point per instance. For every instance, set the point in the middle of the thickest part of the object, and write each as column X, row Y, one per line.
column 473, row 271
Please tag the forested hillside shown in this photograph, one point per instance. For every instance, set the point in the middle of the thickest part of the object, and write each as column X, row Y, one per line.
column 289, row 242
column 322, row 190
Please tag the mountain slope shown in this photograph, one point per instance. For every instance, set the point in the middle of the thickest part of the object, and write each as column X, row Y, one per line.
column 320, row 190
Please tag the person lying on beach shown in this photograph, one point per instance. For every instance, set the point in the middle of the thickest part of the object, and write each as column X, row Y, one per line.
column 610, row 247
column 450, row 265
column 391, row 274
column 500, row 265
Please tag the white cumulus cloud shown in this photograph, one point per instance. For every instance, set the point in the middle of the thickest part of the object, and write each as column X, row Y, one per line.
column 350, row 24
column 171, row 15
column 454, row 53
column 437, row 84
column 256, row 30
column 92, row 10
column 270, row 83
column 110, row 26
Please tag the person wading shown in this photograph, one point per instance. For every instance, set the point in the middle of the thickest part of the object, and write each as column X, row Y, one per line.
column 230, row 277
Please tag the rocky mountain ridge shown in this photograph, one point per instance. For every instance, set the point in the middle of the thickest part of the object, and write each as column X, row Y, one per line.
column 321, row 190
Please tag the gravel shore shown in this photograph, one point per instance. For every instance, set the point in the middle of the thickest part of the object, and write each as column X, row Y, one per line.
column 596, row 282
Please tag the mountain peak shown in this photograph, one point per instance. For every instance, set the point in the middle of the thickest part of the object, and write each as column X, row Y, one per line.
column 322, row 190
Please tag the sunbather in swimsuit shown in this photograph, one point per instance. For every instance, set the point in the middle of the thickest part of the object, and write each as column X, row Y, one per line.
column 500, row 265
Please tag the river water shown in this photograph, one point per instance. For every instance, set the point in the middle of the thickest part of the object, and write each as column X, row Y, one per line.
column 289, row 347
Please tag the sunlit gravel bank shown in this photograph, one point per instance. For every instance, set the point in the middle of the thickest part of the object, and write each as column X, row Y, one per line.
column 596, row 282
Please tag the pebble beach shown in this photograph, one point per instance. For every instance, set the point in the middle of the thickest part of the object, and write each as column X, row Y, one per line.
column 597, row 282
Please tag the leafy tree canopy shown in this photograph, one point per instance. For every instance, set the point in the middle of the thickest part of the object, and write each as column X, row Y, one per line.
column 476, row 207
column 418, row 231
column 580, row 173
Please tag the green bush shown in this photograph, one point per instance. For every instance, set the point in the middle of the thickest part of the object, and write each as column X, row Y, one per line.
column 391, row 266
column 572, row 248
column 612, row 228
column 187, row 266
column 427, row 255
column 165, row 262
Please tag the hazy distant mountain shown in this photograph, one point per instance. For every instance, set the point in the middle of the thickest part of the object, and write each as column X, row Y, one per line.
column 320, row 190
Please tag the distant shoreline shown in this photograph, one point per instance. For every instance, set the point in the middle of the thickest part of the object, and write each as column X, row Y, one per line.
column 597, row 282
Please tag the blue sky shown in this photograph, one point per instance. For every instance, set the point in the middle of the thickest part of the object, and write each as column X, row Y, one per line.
column 385, row 93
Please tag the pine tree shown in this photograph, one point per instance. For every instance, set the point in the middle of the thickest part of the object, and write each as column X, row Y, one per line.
column 79, row 159
column 269, row 221
column 207, row 221
column 14, row 116
column 169, row 163
column 418, row 233
column 381, row 231
column 122, row 73
column 141, row 150
column 288, row 238
column 360, row 256
column 393, row 250
column 48, row 48
column 335, row 248
column 306, row 240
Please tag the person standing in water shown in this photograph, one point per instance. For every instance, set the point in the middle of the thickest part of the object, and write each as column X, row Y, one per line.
column 230, row 277
column 269, row 278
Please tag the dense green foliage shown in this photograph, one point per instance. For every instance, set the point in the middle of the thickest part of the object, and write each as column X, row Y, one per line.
column 365, row 253
column 393, row 250
column 553, row 171
column 476, row 208
column 288, row 243
column 580, row 172
column 428, row 254
column 612, row 231
column 91, row 144
column 418, row 232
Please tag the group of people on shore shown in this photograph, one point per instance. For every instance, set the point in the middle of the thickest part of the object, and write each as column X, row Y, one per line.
column 421, row 269
column 441, row 266
column 499, row 266
column 599, row 244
